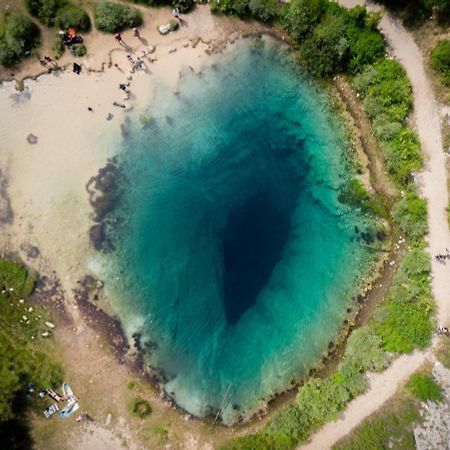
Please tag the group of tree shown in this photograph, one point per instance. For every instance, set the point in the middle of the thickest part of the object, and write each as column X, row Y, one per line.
column 59, row 13
column 416, row 12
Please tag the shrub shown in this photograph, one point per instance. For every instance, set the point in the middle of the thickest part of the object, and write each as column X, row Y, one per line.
column 73, row 16
column 366, row 46
column 20, row 35
column 386, row 81
column 140, row 408
column 58, row 46
column 264, row 10
column 233, row 7
column 79, row 49
column 440, row 60
column 411, row 214
column 173, row 25
column 405, row 322
column 45, row 10
column 424, row 387
column 112, row 17
column 321, row 400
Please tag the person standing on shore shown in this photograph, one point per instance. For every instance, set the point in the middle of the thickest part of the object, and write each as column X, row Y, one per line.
column 136, row 33
column 176, row 14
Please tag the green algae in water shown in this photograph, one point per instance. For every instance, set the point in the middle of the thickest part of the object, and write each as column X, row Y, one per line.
column 235, row 262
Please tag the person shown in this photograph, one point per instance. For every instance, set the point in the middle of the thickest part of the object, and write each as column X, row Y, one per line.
column 136, row 33
column 76, row 68
column 44, row 64
column 138, row 64
column 176, row 13
column 118, row 38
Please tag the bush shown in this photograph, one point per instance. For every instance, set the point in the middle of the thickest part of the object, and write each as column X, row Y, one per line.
column 263, row 10
column 140, row 408
column 73, row 16
column 112, row 17
column 233, row 7
column 173, row 25
column 58, row 46
column 403, row 155
column 411, row 215
column 79, row 49
column 45, row 10
column 20, row 35
column 440, row 60
column 424, row 387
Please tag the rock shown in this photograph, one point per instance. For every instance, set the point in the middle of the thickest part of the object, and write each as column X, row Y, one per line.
column 24, row 318
column 164, row 29
column 50, row 324
column 32, row 139
column 108, row 419
column 46, row 334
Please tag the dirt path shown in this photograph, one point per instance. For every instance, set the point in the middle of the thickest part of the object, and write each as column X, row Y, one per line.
column 433, row 186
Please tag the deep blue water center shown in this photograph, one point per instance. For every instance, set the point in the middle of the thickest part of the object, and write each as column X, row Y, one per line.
column 234, row 259
column 253, row 240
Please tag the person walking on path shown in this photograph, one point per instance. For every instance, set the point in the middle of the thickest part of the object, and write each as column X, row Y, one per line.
column 118, row 38
column 136, row 33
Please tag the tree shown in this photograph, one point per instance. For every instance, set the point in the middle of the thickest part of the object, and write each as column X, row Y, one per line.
column 302, row 16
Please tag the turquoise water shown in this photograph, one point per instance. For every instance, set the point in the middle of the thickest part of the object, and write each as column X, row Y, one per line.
column 234, row 259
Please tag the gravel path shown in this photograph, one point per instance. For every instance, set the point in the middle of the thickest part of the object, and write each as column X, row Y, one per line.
column 433, row 185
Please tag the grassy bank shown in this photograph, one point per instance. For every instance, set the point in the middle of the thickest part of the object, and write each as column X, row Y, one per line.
column 25, row 355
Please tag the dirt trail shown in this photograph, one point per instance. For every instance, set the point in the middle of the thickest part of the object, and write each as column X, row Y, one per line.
column 433, row 186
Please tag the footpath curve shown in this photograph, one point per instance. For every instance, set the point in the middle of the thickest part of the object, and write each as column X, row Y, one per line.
column 433, row 186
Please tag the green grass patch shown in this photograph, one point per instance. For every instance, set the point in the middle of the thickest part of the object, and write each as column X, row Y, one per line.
column 393, row 424
column 354, row 193
column 424, row 387
column 140, row 407
column 16, row 279
column 24, row 357
column 405, row 322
